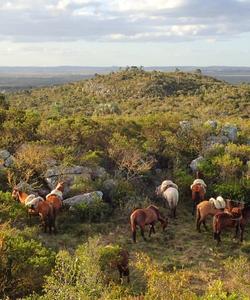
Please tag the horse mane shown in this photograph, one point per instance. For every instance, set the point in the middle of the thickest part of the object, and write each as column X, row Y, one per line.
column 155, row 209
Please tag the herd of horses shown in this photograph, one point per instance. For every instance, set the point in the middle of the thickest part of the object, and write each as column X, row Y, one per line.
column 226, row 213
column 47, row 209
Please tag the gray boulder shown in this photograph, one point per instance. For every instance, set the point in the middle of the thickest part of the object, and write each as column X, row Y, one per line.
column 6, row 159
column 185, row 125
column 230, row 131
column 83, row 198
column 214, row 140
column 9, row 161
column 4, row 154
column 194, row 163
column 69, row 175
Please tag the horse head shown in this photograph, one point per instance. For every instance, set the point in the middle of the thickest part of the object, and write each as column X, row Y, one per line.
column 60, row 186
column 15, row 193
column 158, row 191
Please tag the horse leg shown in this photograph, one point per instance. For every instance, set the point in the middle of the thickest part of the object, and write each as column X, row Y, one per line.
column 198, row 220
column 204, row 224
column 242, row 228
column 237, row 227
column 218, row 238
column 174, row 212
column 194, row 207
column 151, row 230
column 134, row 235
column 142, row 233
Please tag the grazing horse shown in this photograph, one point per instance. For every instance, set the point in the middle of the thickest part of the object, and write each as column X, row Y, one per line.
column 146, row 216
column 198, row 189
column 237, row 219
column 121, row 264
column 170, row 193
column 55, row 197
column 37, row 206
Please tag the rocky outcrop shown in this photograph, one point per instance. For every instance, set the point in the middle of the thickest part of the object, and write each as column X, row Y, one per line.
column 83, row 198
column 68, row 175
column 6, row 159
column 230, row 131
column 195, row 162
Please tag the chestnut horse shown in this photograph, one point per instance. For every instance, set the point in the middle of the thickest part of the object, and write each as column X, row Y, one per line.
column 237, row 219
column 55, row 197
column 146, row 216
column 198, row 194
column 37, row 206
column 23, row 197
column 206, row 208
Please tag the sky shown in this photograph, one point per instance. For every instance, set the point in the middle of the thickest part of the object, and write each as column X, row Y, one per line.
column 124, row 32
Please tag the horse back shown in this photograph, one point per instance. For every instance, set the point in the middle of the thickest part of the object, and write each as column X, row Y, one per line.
column 55, row 201
column 143, row 216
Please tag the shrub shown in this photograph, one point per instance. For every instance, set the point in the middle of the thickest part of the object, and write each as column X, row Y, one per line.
column 10, row 210
column 94, row 211
column 80, row 276
column 217, row 291
column 237, row 190
column 23, row 263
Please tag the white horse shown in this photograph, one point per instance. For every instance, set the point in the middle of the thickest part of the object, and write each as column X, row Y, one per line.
column 170, row 194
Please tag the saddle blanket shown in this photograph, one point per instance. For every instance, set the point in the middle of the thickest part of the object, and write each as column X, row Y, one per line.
column 32, row 200
column 57, row 193
column 219, row 202
column 166, row 184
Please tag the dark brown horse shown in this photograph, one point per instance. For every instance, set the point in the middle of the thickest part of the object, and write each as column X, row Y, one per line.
column 198, row 195
column 237, row 218
column 146, row 216
column 122, row 264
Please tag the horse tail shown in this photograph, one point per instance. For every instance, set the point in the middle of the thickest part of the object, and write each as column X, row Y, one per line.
column 198, row 216
column 133, row 226
column 215, row 226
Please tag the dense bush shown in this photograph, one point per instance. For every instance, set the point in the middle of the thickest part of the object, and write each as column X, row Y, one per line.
column 94, row 211
column 24, row 262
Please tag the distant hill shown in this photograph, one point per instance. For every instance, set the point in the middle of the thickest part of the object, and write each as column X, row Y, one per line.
column 17, row 78
column 136, row 91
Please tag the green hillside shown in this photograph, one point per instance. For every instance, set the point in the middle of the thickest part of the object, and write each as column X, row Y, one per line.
column 129, row 91
column 123, row 134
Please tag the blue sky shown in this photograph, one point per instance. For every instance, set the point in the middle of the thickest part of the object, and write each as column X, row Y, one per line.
column 124, row 32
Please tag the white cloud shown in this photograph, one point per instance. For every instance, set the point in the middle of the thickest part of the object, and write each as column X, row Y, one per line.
column 118, row 20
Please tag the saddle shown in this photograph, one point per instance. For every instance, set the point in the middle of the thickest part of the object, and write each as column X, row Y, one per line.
column 57, row 193
column 33, row 201
column 199, row 182
column 167, row 184
column 219, row 202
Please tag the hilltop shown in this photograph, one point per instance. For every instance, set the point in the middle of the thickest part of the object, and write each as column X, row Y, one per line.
column 134, row 92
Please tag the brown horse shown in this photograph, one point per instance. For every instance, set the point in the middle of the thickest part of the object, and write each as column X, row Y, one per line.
column 207, row 208
column 121, row 263
column 198, row 194
column 146, row 216
column 22, row 197
column 55, row 197
column 237, row 219
column 40, row 208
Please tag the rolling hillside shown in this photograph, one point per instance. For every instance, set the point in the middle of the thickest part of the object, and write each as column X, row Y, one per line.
column 131, row 91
